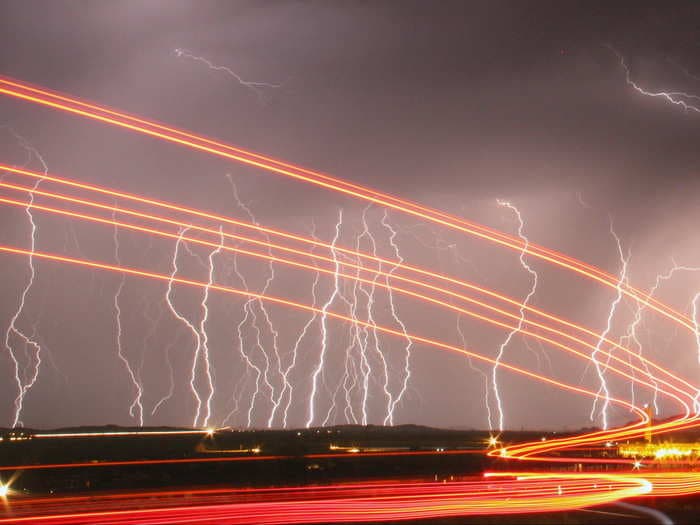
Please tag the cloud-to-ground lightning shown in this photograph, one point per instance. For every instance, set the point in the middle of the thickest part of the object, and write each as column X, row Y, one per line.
column 600, row 370
column 521, row 320
column 136, row 406
column 484, row 376
column 562, row 489
column 324, row 328
column 193, row 330
column 205, row 338
column 275, row 394
column 24, row 384
column 409, row 343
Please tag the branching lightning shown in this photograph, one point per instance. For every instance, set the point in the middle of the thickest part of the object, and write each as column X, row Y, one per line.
column 26, row 383
column 254, row 86
column 136, row 407
column 677, row 98
column 324, row 326
column 205, row 338
column 409, row 342
column 521, row 321
column 608, row 327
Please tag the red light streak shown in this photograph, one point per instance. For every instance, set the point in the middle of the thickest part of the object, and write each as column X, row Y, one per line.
column 528, row 492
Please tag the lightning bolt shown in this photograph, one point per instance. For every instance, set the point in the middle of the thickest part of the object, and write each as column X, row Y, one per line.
column 248, row 312
column 205, row 337
column 283, row 373
column 369, row 295
column 23, row 386
column 295, row 348
column 324, row 324
column 136, row 407
column 641, row 307
column 409, row 342
column 694, row 315
column 677, row 98
column 195, row 333
column 611, row 314
column 256, row 87
column 521, row 320
column 484, row 375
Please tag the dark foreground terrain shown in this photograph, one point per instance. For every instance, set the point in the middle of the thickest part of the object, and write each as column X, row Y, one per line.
column 43, row 471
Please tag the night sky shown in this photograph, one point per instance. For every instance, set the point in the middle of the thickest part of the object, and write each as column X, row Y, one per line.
column 451, row 104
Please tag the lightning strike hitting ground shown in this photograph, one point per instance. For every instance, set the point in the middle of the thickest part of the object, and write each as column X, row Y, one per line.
column 24, row 384
column 369, row 293
column 136, row 407
column 275, row 399
column 205, row 337
column 521, row 320
column 611, row 314
column 295, row 350
column 195, row 333
column 409, row 342
column 324, row 326
column 484, row 376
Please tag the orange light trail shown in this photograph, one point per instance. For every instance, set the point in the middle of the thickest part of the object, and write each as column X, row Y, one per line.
column 520, row 492
column 95, row 112
column 422, row 297
column 470, row 286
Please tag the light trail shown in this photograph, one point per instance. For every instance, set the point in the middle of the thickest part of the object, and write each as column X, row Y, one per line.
column 181, row 237
column 632, row 429
column 71, row 105
column 382, row 502
column 469, row 286
column 530, row 492
column 117, row 433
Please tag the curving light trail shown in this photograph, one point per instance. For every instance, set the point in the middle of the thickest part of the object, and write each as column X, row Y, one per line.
column 518, row 492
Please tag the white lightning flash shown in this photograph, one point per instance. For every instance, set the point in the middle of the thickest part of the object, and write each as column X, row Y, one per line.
column 136, row 407
column 641, row 307
column 205, row 337
column 324, row 324
column 276, row 400
column 604, row 334
column 24, row 385
column 409, row 342
column 484, row 375
column 369, row 294
column 254, row 86
column 295, row 348
column 521, row 320
column 195, row 333
column 678, row 98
